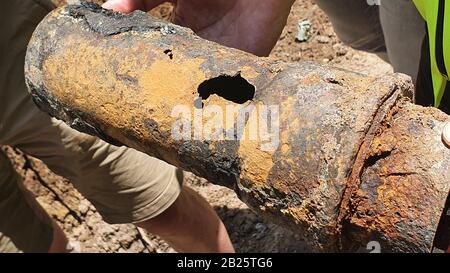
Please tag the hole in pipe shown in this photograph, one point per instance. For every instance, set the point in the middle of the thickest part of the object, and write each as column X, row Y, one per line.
column 232, row 88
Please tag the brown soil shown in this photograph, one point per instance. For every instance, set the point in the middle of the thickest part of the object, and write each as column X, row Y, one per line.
column 248, row 231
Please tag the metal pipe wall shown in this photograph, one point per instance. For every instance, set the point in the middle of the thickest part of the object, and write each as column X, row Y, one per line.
column 344, row 159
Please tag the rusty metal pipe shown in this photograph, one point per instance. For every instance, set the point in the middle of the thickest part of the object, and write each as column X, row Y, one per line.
column 355, row 160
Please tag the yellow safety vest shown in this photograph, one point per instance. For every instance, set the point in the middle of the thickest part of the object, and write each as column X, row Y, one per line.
column 437, row 15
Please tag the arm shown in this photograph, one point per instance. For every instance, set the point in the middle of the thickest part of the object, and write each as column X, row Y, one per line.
column 250, row 25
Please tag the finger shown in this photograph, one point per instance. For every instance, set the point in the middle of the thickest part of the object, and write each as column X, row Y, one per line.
column 127, row 6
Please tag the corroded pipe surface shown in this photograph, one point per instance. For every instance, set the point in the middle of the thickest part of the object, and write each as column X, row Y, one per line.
column 352, row 161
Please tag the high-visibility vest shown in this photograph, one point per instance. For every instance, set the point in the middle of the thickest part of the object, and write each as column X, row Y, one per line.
column 437, row 15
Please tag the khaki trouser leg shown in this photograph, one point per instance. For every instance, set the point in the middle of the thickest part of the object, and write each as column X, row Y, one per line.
column 23, row 224
column 356, row 23
column 404, row 31
column 124, row 185
column 394, row 30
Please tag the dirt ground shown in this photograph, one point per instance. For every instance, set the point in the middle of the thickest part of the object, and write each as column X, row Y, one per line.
column 248, row 231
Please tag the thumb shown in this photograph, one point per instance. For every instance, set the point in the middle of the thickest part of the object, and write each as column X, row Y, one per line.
column 127, row 6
